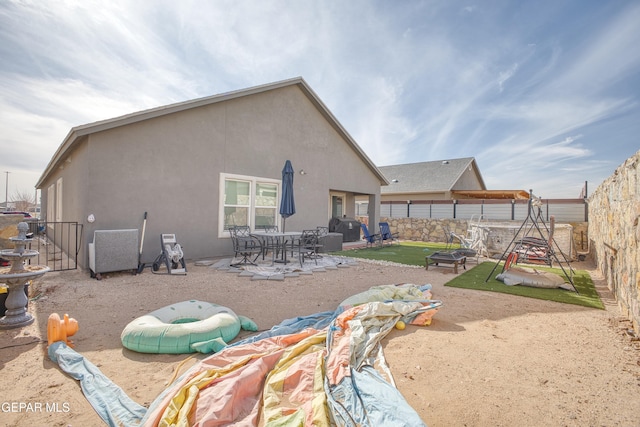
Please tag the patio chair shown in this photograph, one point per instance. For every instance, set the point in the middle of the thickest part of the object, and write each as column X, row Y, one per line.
column 323, row 234
column 270, row 243
column 448, row 236
column 386, row 234
column 371, row 239
column 245, row 245
column 308, row 246
column 322, row 231
column 466, row 245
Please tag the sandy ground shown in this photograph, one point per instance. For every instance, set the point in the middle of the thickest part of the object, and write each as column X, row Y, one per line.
column 487, row 359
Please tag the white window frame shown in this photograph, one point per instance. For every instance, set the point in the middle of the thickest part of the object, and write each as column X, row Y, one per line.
column 253, row 180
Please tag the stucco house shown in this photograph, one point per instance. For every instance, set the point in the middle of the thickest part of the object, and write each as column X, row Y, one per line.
column 199, row 166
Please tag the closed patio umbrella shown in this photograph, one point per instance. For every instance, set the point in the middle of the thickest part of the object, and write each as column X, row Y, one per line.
column 287, row 204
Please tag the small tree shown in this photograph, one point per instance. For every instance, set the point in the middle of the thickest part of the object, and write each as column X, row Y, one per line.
column 23, row 201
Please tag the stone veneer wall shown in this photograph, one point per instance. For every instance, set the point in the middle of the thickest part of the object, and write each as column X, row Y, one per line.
column 425, row 229
column 501, row 233
column 614, row 235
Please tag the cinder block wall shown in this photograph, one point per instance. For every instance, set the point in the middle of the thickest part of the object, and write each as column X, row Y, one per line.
column 614, row 235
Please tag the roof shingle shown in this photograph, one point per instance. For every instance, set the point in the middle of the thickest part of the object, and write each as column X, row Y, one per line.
column 434, row 176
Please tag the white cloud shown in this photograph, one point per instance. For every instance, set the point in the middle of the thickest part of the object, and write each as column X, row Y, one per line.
column 506, row 75
column 421, row 82
column 608, row 55
column 380, row 126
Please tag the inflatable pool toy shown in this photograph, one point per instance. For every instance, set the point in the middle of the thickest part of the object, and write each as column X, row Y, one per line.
column 533, row 278
column 512, row 275
column 61, row 329
column 185, row 327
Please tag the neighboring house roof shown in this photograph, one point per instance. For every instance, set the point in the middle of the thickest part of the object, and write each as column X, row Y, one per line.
column 77, row 133
column 427, row 177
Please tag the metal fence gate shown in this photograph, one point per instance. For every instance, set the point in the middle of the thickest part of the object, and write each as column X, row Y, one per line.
column 57, row 243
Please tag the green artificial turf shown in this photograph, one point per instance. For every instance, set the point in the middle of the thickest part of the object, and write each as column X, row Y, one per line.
column 414, row 253
column 410, row 253
column 475, row 279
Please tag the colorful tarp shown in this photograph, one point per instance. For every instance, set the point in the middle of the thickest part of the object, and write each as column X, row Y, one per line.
column 107, row 399
column 325, row 369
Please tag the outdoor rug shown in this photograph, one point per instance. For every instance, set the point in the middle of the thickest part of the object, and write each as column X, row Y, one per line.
column 476, row 278
column 266, row 270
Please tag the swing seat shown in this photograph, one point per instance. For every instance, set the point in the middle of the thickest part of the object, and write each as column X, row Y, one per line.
column 533, row 250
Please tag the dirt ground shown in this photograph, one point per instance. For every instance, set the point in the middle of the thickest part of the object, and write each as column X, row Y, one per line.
column 487, row 359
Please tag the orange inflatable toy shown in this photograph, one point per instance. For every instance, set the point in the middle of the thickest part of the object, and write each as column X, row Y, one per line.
column 61, row 329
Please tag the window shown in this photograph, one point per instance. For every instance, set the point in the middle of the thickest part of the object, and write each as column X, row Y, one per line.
column 236, row 202
column 248, row 201
column 266, row 204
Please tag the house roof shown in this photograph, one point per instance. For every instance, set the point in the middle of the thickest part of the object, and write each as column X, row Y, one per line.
column 76, row 134
column 427, row 177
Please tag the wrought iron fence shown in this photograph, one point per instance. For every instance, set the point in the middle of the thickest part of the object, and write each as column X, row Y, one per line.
column 57, row 243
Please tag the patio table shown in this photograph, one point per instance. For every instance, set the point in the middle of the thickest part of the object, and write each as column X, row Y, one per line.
column 281, row 239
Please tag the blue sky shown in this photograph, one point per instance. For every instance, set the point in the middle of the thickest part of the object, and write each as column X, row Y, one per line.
column 544, row 94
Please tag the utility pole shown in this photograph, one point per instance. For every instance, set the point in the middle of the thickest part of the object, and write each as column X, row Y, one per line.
column 6, row 192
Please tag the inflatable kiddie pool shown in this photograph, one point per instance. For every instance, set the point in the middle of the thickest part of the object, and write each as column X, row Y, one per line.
column 512, row 276
column 185, row 327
